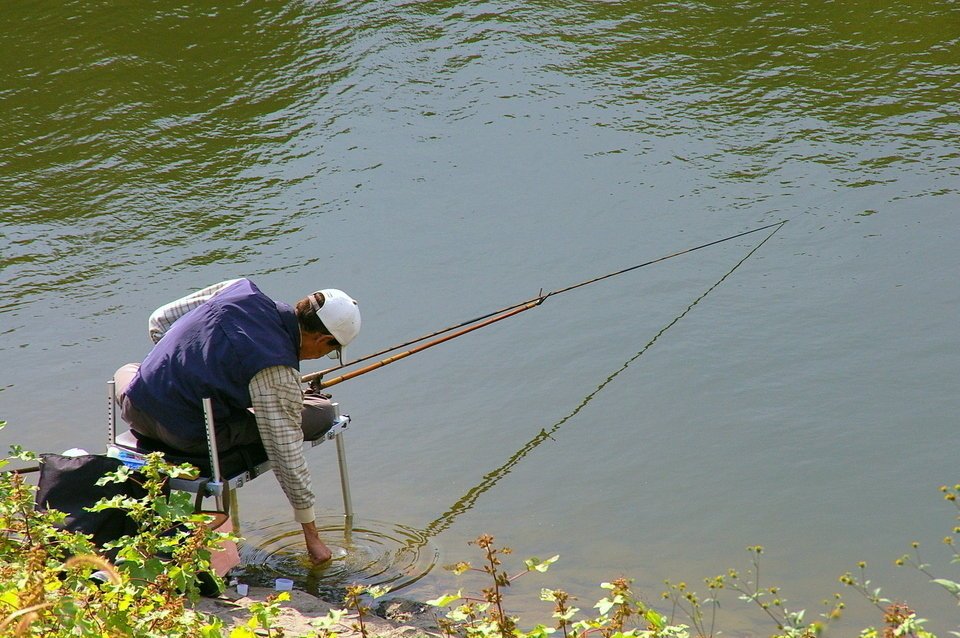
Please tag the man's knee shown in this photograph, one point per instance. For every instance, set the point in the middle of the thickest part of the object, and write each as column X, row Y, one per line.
column 319, row 415
column 123, row 377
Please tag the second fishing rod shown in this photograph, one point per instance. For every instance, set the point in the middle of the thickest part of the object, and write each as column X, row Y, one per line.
column 476, row 323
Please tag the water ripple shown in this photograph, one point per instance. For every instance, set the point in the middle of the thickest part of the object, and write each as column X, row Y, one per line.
column 370, row 553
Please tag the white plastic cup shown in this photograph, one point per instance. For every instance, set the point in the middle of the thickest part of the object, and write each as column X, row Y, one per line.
column 242, row 589
column 284, row 584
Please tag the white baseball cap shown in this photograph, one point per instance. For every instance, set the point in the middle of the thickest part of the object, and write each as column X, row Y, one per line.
column 340, row 315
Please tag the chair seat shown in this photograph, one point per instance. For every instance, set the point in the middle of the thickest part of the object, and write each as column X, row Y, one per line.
column 233, row 462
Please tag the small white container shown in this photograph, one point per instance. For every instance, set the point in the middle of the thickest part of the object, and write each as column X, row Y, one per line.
column 284, row 584
column 242, row 589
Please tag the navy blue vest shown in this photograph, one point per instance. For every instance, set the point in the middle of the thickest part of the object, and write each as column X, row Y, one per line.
column 213, row 352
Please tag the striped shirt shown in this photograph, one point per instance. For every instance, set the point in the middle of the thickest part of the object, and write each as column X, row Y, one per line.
column 277, row 400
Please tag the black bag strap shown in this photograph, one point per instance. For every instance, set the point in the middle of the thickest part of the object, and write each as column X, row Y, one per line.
column 23, row 470
column 198, row 502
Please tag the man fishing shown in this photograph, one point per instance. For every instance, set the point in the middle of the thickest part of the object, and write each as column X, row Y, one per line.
column 233, row 344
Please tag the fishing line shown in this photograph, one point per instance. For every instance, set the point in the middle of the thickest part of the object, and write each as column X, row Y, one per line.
column 467, row 501
column 503, row 313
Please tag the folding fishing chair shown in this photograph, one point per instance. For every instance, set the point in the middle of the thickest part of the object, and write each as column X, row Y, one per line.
column 220, row 475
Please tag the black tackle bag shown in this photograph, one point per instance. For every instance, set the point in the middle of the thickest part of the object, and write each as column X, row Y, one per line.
column 69, row 484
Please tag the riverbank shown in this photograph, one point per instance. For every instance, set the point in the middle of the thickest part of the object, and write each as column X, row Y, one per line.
column 392, row 618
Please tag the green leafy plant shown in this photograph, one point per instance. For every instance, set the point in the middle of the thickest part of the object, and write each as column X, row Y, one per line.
column 173, row 547
column 620, row 613
column 790, row 624
column 329, row 626
column 55, row 583
column 263, row 616
column 354, row 600
column 899, row 618
column 950, row 494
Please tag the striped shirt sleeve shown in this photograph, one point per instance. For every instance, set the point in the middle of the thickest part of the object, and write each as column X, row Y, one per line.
column 164, row 316
column 277, row 402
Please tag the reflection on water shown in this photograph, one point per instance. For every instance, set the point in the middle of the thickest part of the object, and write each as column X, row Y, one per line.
column 369, row 553
column 189, row 131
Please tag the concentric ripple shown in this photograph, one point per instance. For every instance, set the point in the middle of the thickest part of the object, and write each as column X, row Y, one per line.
column 369, row 553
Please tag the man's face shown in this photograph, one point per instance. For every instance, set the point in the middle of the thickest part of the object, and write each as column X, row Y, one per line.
column 314, row 346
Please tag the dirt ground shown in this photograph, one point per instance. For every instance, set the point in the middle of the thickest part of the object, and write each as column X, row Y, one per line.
column 398, row 618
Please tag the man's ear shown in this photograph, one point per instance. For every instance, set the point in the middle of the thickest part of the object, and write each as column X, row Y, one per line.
column 328, row 340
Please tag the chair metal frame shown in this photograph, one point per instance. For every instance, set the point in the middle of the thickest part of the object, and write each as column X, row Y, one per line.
column 223, row 488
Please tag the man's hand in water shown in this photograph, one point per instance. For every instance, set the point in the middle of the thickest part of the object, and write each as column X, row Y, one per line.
column 319, row 552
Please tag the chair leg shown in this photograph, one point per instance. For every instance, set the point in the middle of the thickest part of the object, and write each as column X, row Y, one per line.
column 233, row 508
column 213, row 452
column 344, row 482
column 111, row 412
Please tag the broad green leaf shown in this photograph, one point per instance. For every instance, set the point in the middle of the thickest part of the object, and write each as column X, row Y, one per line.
column 212, row 630
column 446, row 599
column 377, row 591
column 540, row 631
column 121, row 475
column 458, row 614
column 568, row 614
column 655, row 619
column 459, row 568
column 10, row 599
column 585, row 625
column 332, row 619
column 539, row 565
column 187, row 471
column 18, row 452
column 949, row 585
column 604, row 605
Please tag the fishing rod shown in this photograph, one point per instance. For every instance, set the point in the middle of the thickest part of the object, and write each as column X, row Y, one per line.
column 430, row 344
column 498, row 315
